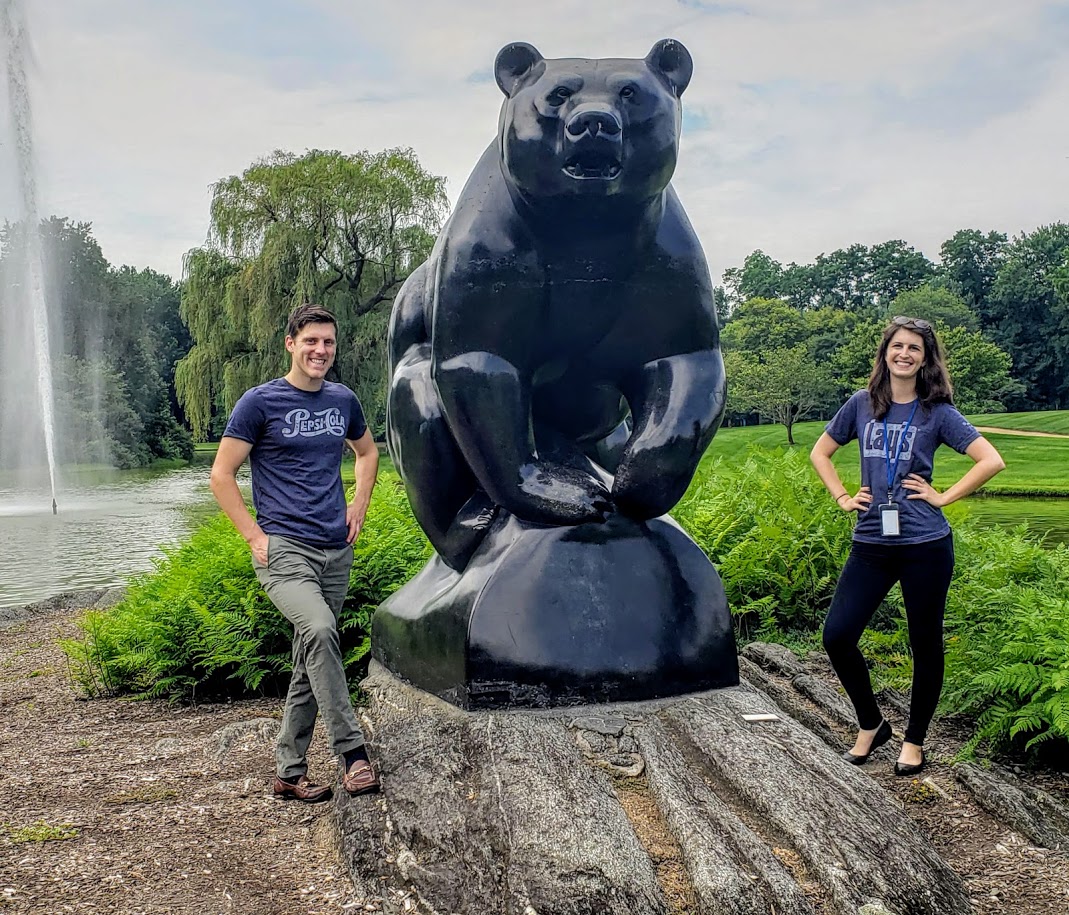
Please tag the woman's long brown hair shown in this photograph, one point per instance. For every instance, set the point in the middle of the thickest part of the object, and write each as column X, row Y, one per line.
column 933, row 380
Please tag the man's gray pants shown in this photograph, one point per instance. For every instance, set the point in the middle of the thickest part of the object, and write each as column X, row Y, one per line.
column 308, row 585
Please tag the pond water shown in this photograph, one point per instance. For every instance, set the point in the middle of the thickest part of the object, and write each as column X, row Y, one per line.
column 111, row 525
column 1046, row 517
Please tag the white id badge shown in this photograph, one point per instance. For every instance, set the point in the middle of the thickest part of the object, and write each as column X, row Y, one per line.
column 889, row 520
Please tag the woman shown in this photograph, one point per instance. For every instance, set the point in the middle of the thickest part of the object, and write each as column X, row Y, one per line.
column 901, row 534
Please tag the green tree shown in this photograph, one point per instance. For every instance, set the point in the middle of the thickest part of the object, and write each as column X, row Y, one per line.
column 1028, row 318
column 896, row 268
column 937, row 304
column 979, row 370
column 115, row 336
column 342, row 230
column 971, row 262
column 760, row 324
column 783, row 385
column 851, row 364
column 145, row 341
column 856, row 279
column 97, row 421
column 760, row 277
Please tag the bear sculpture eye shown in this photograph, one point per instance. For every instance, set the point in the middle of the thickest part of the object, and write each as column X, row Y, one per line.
column 560, row 95
column 627, row 92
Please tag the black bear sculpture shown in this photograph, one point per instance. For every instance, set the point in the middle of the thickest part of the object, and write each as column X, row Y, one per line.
column 555, row 379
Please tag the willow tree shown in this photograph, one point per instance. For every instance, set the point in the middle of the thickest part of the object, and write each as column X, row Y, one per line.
column 342, row 230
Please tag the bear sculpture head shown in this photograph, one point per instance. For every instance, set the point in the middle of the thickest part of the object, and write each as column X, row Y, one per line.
column 583, row 129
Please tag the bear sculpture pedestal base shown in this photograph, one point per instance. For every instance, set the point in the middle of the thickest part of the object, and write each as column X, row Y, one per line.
column 546, row 616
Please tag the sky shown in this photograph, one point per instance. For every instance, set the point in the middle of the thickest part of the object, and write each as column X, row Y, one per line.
column 809, row 125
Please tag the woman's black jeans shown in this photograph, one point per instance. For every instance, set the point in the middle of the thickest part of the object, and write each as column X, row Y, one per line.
column 924, row 570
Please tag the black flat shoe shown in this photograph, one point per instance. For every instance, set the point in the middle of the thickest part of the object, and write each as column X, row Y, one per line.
column 882, row 735
column 907, row 769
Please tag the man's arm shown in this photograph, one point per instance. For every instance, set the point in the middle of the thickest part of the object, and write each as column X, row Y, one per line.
column 230, row 456
column 366, row 470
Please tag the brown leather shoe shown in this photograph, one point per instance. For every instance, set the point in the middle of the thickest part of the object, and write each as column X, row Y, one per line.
column 302, row 790
column 360, row 778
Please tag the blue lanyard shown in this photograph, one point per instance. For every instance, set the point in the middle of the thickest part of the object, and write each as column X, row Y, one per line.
column 892, row 469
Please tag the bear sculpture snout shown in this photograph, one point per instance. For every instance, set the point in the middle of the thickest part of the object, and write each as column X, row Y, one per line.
column 594, row 140
column 595, row 122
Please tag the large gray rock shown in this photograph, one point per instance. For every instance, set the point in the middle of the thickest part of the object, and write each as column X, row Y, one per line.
column 515, row 812
column 854, row 840
column 733, row 870
column 1034, row 813
column 492, row 813
column 779, row 661
column 67, row 600
column 260, row 732
column 791, row 701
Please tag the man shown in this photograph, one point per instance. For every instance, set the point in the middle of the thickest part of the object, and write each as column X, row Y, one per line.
column 294, row 431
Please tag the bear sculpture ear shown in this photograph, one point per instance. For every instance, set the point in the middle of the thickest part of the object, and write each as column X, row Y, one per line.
column 513, row 63
column 673, row 62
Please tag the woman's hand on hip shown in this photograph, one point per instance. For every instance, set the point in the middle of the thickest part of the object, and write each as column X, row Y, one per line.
column 858, row 503
column 920, row 488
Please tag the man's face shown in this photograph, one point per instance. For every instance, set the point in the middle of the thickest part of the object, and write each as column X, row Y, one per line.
column 313, row 349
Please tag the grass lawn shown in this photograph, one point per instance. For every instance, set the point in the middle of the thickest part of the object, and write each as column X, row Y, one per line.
column 347, row 476
column 1034, row 466
column 1044, row 421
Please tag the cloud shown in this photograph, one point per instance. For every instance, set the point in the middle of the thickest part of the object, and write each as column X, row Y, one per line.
column 807, row 126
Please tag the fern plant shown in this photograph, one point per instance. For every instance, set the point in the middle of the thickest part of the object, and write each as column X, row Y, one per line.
column 199, row 624
column 1008, row 639
column 778, row 540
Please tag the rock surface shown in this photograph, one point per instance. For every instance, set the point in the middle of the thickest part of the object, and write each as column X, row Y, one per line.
column 491, row 812
column 518, row 812
column 1031, row 811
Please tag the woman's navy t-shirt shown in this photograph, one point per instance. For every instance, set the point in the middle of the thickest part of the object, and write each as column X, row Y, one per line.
column 298, row 439
column 931, row 427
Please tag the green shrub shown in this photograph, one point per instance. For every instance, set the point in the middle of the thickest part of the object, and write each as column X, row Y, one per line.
column 200, row 624
column 1008, row 639
column 776, row 537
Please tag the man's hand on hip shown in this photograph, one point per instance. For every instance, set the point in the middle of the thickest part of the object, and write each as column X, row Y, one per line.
column 354, row 519
column 258, row 545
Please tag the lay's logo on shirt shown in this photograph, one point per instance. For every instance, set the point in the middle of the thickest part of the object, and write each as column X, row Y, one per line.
column 872, row 443
column 308, row 425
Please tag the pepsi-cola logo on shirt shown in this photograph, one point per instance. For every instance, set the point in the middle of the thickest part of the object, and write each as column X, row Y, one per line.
column 308, row 425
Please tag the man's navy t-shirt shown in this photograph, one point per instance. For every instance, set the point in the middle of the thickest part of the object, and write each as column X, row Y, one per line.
column 298, row 439
column 931, row 427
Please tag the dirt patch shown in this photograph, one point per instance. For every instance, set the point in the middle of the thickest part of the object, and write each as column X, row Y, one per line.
column 660, row 845
column 127, row 808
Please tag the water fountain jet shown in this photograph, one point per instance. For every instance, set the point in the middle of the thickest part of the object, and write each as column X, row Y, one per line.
column 14, row 37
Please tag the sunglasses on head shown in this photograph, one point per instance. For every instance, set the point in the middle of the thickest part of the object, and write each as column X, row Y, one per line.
column 918, row 323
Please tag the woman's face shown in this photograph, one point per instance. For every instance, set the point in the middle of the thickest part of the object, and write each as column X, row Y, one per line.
column 905, row 354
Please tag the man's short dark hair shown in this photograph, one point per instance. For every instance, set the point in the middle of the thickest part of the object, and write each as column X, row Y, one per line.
column 309, row 313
